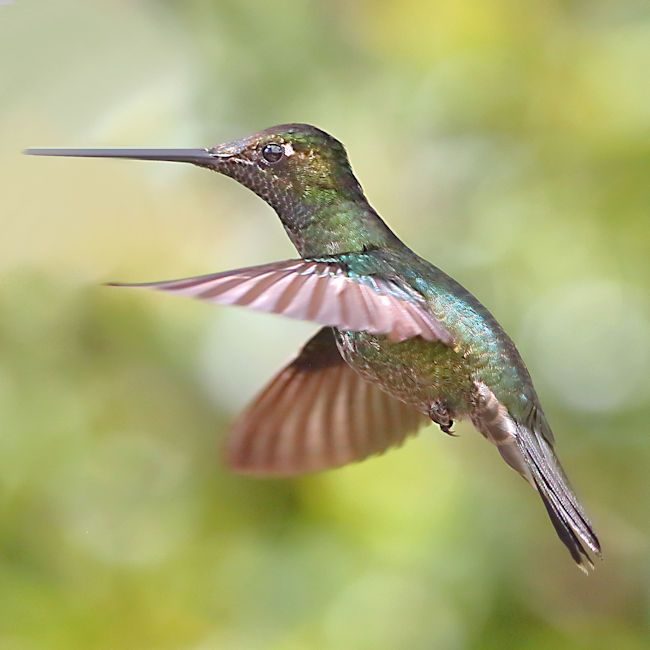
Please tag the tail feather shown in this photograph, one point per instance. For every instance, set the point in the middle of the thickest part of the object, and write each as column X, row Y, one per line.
column 567, row 515
column 528, row 447
column 566, row 534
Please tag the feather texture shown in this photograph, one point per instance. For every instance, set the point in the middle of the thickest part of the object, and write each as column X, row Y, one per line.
column 569, row 519
column 317, row 291
column 528, row 448
column 315, row 414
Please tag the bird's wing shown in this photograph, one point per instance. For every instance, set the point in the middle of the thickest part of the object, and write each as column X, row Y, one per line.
column 315, row 414
column 319, row 291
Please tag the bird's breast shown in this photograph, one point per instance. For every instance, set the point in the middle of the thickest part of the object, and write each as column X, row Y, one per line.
column 414, row 371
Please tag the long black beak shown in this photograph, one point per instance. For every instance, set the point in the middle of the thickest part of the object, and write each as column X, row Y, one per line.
column 204, row 157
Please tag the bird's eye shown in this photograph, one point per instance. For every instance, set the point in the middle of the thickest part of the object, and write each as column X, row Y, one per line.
column 273, row 152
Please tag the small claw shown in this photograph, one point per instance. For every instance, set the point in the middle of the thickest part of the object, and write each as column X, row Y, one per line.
column 446, row 428
column 440, row 414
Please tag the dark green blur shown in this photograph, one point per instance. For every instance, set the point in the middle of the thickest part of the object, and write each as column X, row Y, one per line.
column 505, row 141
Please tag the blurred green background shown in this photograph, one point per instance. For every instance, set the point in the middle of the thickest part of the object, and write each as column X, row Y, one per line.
column 506, row 141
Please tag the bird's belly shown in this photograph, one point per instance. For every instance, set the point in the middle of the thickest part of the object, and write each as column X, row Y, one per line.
column 418, row 372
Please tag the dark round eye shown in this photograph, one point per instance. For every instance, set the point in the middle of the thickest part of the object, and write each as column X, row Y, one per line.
column 273, row 152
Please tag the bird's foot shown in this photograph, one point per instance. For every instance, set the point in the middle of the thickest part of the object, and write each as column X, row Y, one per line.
column 446, row 428
column 440, row 414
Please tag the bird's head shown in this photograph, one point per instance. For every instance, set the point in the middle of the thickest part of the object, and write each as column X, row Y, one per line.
column 289, row 166
column 301, row 171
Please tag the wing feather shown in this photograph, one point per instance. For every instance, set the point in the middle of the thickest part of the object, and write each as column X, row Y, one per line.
column 317, row 413
column 317, row 291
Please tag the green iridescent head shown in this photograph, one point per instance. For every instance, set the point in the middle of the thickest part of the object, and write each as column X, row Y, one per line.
column 290, row 166
column 301, row 171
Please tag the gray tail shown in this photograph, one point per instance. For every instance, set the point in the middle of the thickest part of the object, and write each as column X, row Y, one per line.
column 569, row 519
column 528, row 448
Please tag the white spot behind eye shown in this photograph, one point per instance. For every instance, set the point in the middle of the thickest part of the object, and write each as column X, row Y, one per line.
column 288, row 149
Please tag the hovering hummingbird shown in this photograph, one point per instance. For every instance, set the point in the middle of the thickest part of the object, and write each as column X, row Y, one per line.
column 401, row 343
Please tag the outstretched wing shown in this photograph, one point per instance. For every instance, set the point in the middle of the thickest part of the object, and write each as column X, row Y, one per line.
column 317, row 413
column 318, row 291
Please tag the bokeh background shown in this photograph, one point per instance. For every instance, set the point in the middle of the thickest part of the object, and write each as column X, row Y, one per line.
column 507, row 141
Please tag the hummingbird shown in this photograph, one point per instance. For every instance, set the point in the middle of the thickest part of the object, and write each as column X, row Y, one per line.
column 401, row 343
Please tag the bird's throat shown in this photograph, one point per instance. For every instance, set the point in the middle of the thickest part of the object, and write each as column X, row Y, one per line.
column 338, row 227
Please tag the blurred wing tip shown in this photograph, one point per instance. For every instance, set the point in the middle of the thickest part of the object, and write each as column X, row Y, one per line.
column 125, row 284
column 308, row 290
column 139, row 285
column 243, row 469
column 238, row 463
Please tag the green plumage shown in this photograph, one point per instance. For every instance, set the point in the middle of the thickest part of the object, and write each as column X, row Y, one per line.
column 419, row 339
column 423, row 371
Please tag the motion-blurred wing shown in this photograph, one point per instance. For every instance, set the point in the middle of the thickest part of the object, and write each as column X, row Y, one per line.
column 317, row 291
column 317, row 413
